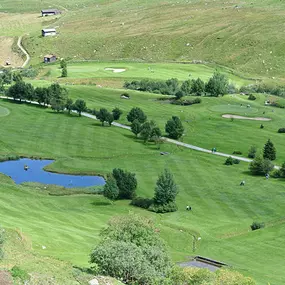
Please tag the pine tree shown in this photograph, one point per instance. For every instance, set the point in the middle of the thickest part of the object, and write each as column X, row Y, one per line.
column 269, row 151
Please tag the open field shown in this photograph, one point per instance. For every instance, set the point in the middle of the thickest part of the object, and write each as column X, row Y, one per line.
column 222, row 210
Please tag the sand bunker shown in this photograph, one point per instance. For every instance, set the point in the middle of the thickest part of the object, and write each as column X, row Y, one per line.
column 229, row 116
column 115, row 70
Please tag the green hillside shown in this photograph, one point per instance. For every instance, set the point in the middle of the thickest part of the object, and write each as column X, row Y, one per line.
column 244, row 35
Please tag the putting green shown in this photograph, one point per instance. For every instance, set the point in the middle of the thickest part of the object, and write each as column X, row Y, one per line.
column 4, row 111
column 233, row 108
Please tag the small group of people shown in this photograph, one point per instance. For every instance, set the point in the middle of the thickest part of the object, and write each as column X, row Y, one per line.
column 188, row 208
column 214, row 150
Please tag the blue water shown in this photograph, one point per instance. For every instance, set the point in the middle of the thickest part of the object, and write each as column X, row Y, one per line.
column 35, row 173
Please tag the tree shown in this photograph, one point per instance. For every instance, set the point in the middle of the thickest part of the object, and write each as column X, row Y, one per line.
column 136, row 127
column 172, row 86
column 166, row 190
column 63, row 63
column 186, row 87
column 174, row 128
column 80, row 106
column 179, row 94
column 64, row 72
column 217, row 85
column 102, row 115
column 126, row 182
column 29, row 92
column 117, row 113
column 136, row 113
column 69, row 105
column 58, row 97
column 146, row 129
column 132, row 251
column 17, row 91
column 260, row 166
column 197, row 87
column 110, row 118
column 42, row 95
column 111, row 190
column 269, row 151
column 252, row 152
column 282, row 170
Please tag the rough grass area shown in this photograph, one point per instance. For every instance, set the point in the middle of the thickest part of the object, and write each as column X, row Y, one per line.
column 246, row 36
column 69, row 226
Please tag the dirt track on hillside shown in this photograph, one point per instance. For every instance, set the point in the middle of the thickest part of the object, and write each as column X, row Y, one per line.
column 6, row 53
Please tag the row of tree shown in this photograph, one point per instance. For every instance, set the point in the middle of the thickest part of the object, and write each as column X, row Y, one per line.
column 217, row 85
column 103, row 115
column 148, row 130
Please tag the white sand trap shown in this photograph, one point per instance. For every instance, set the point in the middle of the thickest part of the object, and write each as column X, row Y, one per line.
column 115, row 70
column 229, row 116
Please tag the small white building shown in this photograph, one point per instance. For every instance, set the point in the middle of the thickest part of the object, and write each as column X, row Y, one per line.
column 48, row 32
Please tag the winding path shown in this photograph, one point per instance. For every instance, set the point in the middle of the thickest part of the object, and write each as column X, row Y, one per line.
column 19, row 44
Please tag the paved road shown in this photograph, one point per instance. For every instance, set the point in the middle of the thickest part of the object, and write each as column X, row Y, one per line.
column 19, row 44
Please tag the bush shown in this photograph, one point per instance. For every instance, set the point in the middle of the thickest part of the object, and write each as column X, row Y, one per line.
column 281, row 130
column 236, row 161
column 164, row 208
column 252, row 152
column 251, row 97
column 276, row 173
column 187, row 102
column 9, row 157
column 144, row 203
column 229, row 161
column 19, row 273
column 257, row 225
column 237, row 152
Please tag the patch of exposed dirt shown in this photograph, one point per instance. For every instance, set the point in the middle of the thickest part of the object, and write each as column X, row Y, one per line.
column 229, row 116
column 5, row 278
column 7, row 54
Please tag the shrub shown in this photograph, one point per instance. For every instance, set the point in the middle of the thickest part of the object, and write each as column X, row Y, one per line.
column 260, row 166
column 281, row 130
column 236, row 161
column 229, row 161
column 164, row 208
column 9, row 157
column 144, row 203
column 237, row 152
column 276, row 173
column 257, row 225
column 251, row 97
column 252, row 152
column 19, row 273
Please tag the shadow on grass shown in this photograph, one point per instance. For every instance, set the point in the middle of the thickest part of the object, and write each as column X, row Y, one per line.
column 101, row 203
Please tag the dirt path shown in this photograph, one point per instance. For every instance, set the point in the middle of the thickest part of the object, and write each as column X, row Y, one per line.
column 229, row 116
column 19, row 44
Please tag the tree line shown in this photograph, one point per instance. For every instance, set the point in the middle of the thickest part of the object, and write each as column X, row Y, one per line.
column 217, row 85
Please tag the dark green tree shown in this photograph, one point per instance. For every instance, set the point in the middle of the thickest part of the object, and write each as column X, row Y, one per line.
column 186, row 87
column 269, row 151
column 64, row 72
column 69, row 105
column 117, row 113
column 29, row 92
column 260, row 166
column 111, row 190
column 110, row 118
column 166, row 189
column 79, row 106
column 172, row 85
column 17, row 91
column 252, row 152
column 217, row 85
column 136, row 127
column 63, row 63
column 42, row 95
column 102, row 115
column 17, row 77
column 146, row 129
column 174, row 128
column 58, row 97
column 179, row 94
column 136, row 113
column 197, row 87
column 126, row 182
column 282, row 170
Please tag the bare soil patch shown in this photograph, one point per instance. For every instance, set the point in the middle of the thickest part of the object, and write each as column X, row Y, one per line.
column 7, row 54
column 5, row 278
column 229, row 116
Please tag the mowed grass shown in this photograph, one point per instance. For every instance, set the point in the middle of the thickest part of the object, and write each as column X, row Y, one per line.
column 203, row 123
column 136, row 71
column 245, row 36
column 69, row 226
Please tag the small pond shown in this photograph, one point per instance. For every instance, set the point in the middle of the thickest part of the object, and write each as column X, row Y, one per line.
column 35, row 173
